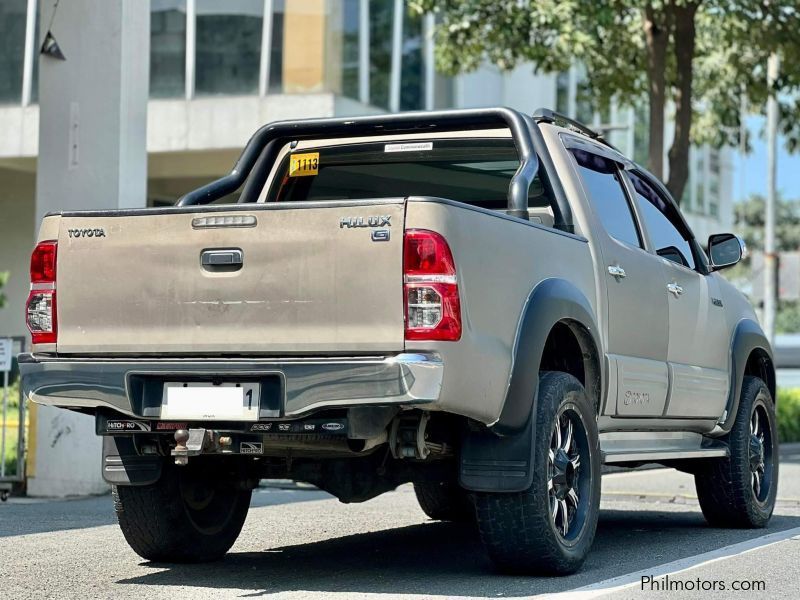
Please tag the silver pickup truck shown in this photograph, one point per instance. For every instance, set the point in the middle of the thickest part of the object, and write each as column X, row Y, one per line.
column 487, row 304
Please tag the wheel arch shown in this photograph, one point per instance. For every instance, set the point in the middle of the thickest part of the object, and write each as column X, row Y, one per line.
column 571, row 348
column 751, row 354
column 556, row 311
column 500, row 458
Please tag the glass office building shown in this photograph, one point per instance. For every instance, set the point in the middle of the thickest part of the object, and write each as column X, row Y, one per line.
column 202, row 48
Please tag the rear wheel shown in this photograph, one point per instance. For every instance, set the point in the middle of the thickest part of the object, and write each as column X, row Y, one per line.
column 186, row 516
column 549, row 528
column 444, row 501
column 740, row 490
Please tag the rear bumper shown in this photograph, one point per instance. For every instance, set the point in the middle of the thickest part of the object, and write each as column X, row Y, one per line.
column 308, row 384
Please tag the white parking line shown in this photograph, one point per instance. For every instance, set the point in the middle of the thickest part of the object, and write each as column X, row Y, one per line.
column 615, row 584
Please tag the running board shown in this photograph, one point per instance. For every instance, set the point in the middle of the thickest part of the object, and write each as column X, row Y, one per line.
column 654, row 446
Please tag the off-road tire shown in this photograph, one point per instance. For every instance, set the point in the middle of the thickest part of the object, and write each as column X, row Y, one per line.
column 724, row 485
column 160, row 523
column 444, row 501
column 518, row 530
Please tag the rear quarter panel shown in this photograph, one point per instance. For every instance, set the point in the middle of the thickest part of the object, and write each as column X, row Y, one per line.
column 499, row 261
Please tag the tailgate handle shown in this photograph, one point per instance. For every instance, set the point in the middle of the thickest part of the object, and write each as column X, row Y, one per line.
column 229, row 257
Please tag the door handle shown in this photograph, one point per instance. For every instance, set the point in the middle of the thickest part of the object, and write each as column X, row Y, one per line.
column 221, row 258
column 674, row 289
column 616, row 271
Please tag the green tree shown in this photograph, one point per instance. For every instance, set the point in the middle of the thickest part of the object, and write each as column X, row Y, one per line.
column 3, row 280
column 749, row 221
column 702, row 56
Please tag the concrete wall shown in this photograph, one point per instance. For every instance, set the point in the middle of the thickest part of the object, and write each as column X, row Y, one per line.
column 92, row 154
column 16, row 242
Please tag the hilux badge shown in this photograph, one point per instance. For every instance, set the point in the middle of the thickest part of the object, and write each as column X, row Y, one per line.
column 375, row 221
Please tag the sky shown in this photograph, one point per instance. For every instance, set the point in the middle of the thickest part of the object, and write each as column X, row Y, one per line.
column 750, row 172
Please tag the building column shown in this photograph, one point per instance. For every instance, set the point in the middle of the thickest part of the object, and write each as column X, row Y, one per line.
column 304, row 46
column 92, row 155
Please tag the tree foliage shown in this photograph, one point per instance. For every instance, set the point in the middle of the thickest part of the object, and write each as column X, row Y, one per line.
column 749, row 220
column 701, row 57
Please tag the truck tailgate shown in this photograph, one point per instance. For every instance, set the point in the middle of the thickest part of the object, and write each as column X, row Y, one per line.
column 308, row 282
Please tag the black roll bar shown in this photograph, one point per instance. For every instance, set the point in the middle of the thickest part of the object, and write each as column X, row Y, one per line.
column 525, row 132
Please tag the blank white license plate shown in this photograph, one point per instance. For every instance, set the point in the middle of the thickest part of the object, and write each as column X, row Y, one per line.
column 203, row 401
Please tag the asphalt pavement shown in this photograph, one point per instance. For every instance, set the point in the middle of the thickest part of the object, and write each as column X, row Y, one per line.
column 305, row 544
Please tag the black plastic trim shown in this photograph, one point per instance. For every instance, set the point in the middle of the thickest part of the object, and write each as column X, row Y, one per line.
column 122, row 465
column 747, row 337
column 551, row 301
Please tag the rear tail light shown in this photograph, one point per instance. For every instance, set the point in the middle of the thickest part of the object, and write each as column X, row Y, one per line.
column 43, row 263
column 40, row 310
column 433, row 307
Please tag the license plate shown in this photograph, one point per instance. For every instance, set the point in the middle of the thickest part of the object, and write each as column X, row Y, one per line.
column 204, row 401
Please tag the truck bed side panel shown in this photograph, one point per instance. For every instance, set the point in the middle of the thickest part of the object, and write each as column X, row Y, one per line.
column 499, row 262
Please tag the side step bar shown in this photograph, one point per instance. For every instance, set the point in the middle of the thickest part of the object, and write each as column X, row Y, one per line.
column 651, row 446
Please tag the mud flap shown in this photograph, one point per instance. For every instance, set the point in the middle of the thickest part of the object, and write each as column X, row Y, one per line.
column 123, row 466
column 494, row 463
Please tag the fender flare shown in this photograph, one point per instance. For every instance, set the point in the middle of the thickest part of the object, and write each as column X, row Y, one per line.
column 500, row 458
column 747, row 337
column 551, row 301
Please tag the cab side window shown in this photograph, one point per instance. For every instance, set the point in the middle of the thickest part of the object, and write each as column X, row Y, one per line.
column 663, row 224
column 602, row 180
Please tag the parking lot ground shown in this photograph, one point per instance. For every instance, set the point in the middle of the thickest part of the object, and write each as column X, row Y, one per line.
column 305, row 544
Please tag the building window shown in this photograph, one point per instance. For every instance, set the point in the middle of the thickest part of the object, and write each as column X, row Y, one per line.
column 562, row 92
column 380, row 51
column 12, row 49
column 700, row 204
column 701, row 197
column 275, row 84
column 37, row 42
column 167, row 48
column 412, row 72
column 228, row 46
column 641, row 134
column 349, row 40
column 686, row 198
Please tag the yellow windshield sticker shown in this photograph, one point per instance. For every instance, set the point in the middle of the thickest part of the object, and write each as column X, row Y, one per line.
column 301, row 165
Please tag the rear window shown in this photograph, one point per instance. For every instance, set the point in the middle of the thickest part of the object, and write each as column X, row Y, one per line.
column 474, row 171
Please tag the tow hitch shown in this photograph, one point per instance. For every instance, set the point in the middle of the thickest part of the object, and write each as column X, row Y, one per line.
column 192, row 442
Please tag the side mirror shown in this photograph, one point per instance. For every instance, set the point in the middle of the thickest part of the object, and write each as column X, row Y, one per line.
column 725, row 250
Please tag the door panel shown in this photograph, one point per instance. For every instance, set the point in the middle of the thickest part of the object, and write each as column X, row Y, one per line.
column 698, row 345
column 638, row 328
column 643, row 387
column 696, row 391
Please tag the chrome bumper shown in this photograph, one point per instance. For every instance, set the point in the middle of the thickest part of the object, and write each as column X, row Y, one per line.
column 308, row 384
